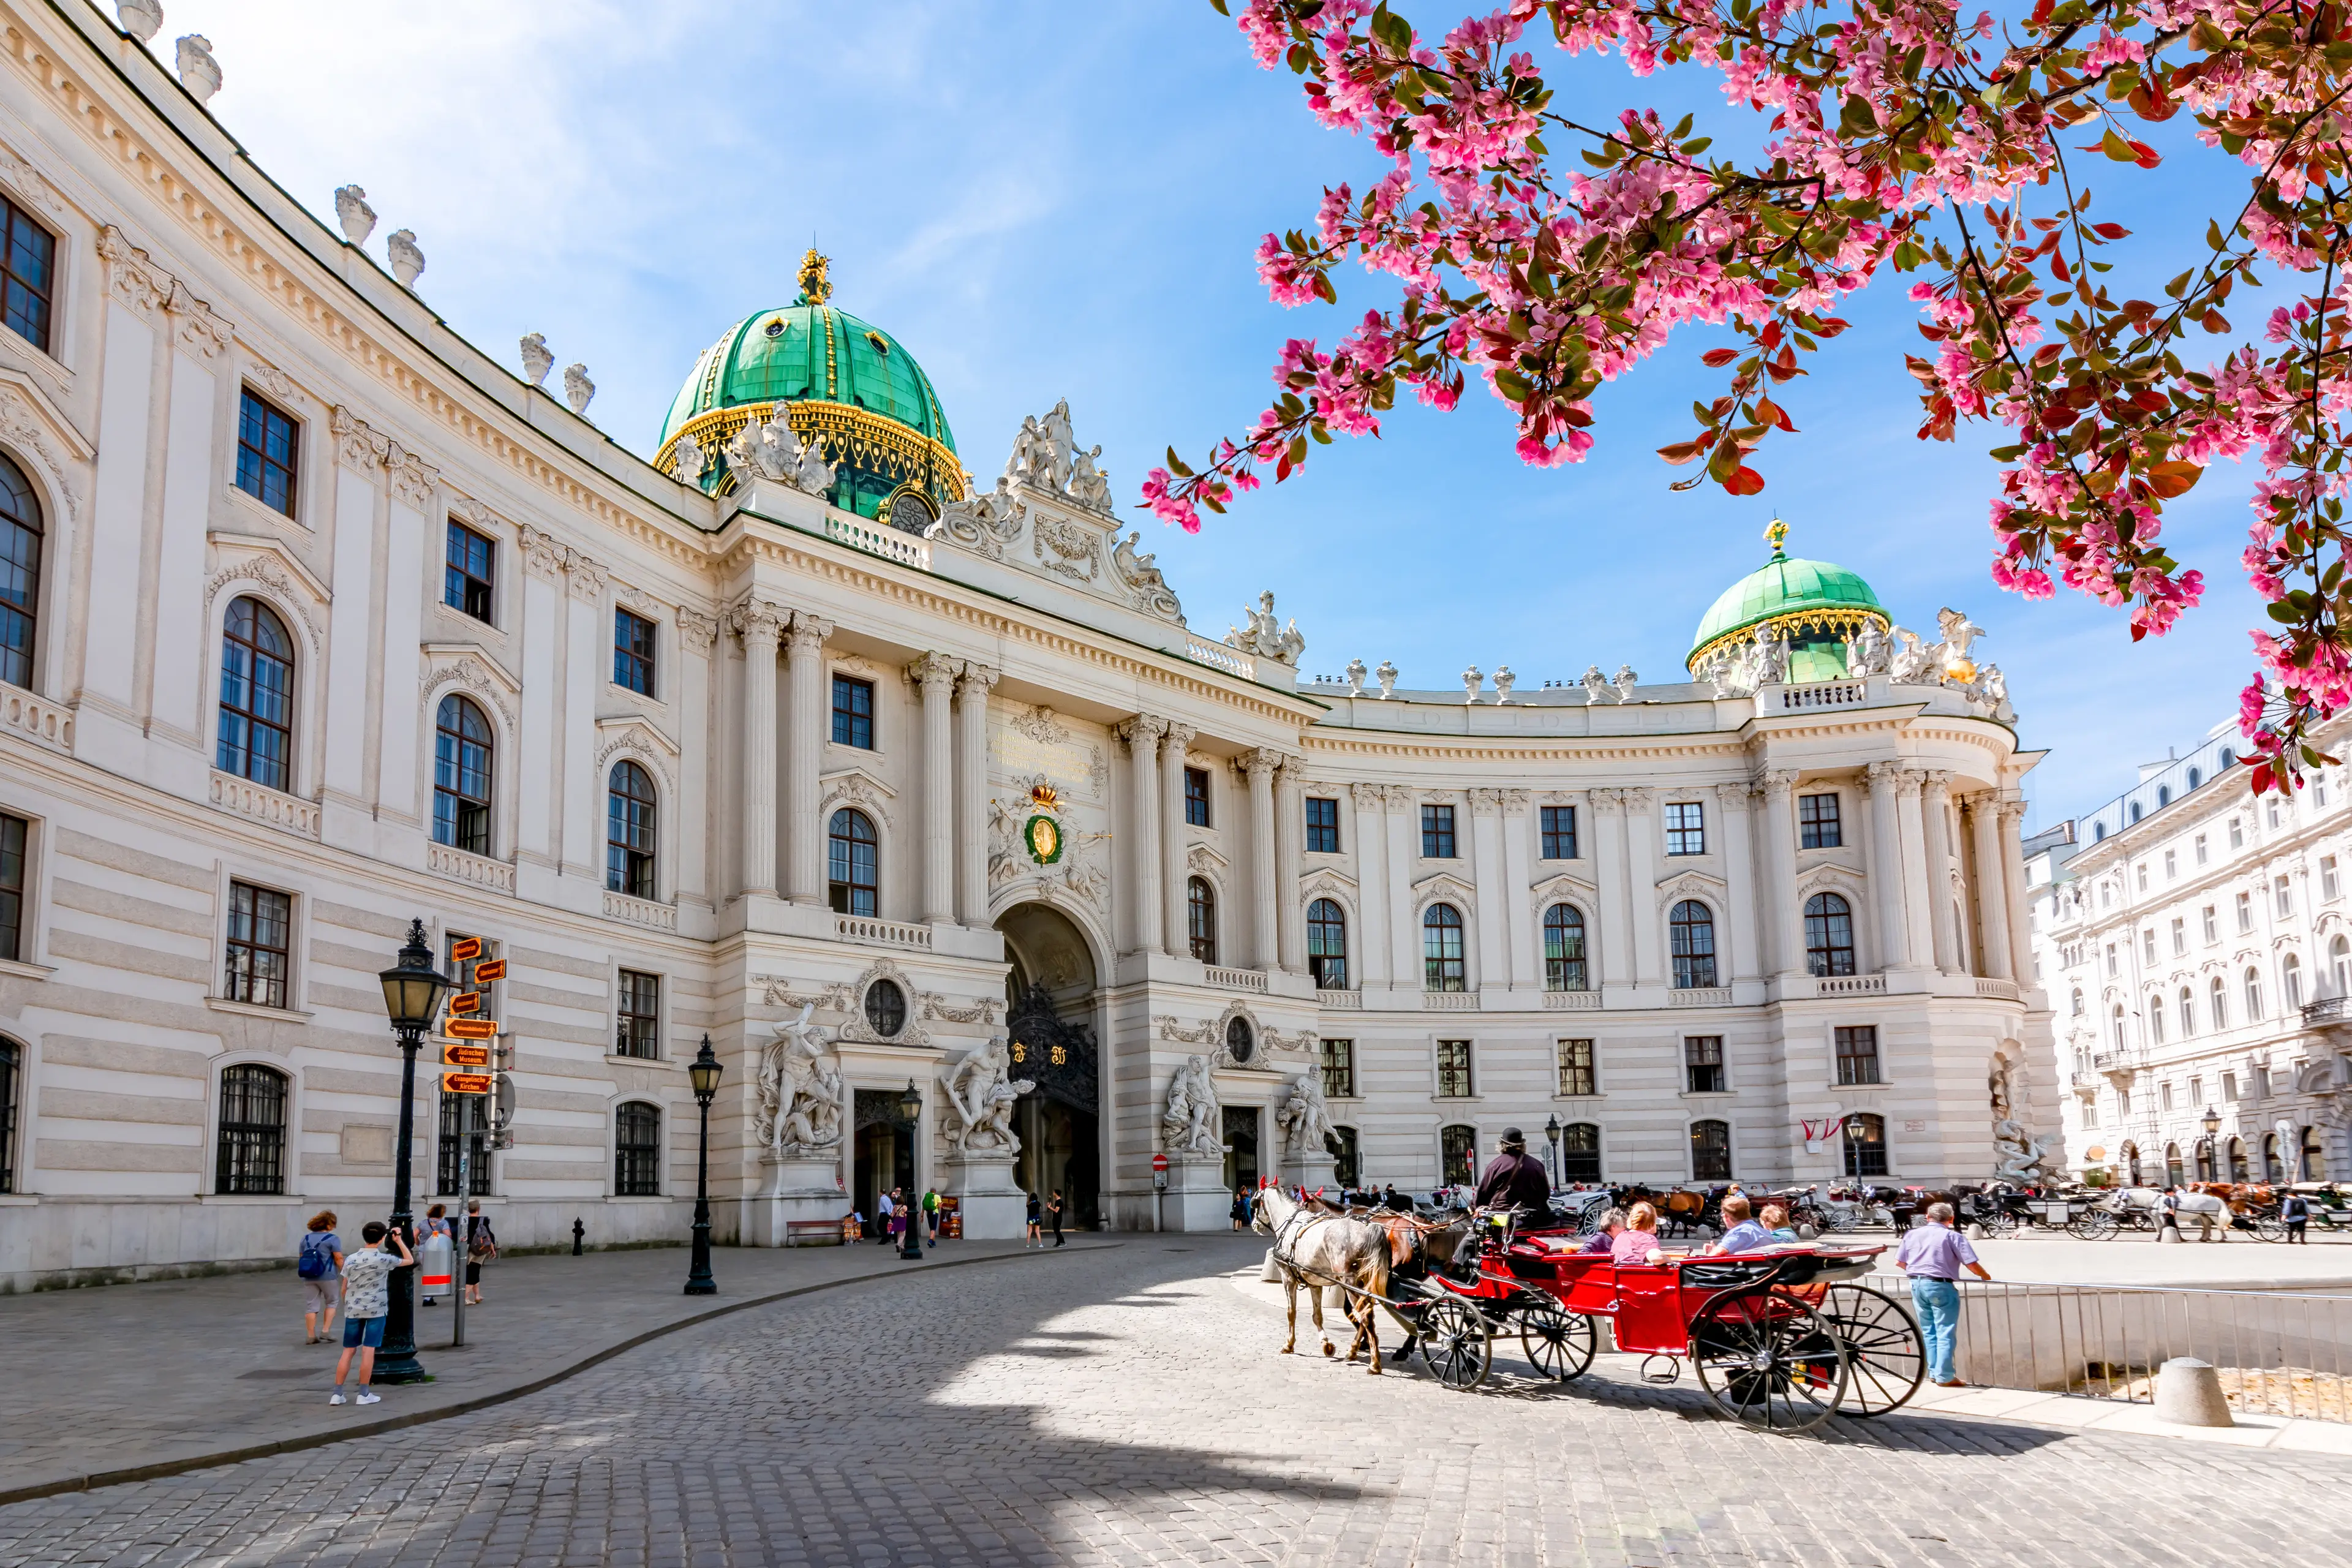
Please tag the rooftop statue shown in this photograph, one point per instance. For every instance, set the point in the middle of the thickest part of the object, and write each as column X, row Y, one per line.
column 1265, row 634
column 536, row 360
column 1626, row 681
column 577, row 388
column 689, row 458
column 408, row 259
column 1387, row 675
column 1090, row 484
column 351, row 210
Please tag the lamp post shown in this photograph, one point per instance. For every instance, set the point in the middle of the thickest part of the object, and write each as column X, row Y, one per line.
column 2212, row 1121
column 703, row 1074
column 1551, row 1136
column 413, row 989
column 911, row 1111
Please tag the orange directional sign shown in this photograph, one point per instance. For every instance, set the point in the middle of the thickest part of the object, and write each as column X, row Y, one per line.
column 465, row 948
column 464, row 1083
column 471, row 1028
column 490, row 969
column 456, row 1055
column 465, row 1001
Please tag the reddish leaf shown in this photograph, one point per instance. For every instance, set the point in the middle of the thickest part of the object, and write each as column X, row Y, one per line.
column 1746, row 482
column 1716, row 359
column 2170, row 479
column 1682, row 452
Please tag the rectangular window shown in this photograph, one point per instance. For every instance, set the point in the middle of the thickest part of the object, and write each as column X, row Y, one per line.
column 1454, row 1069
column 2142, row 869
column 2196, row 1092
column 2327, row 883
column 2090, row 1113
column 2123, row 1104
column 266, row 450
column 1817, row 822
column 633, row 652
column 1559, row 832
column 2180, row 937
column 2261, row 1083
column 640, row 1030
column 467, row 1118
column 2285, row 897
column 2111, row 961
column 1686, row 828
column 2171, row 866
column 2230, row 1087
column 261, row 941
column 853, row 713
column 1703, row 1063
column 2237, row 834
column 2164, row 1094
column 1437, row 833
column 13, row 831
column 2212, row 925
column 2275, row 813
column 1339, row 1070
column 1322, row 825
column 1196, row 797
column 2202, row 856
column 2148, row 944
column 1857, row 1055
column 471, row 573
column 636, row 1151
column 28, row 272
column 1576, row 1075
column 2245, row 912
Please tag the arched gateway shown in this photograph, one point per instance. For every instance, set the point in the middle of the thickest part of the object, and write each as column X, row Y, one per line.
column 1050, row 995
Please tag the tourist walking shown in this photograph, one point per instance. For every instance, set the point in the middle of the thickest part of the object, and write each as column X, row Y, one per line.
column 883, row 1209
column 367, row 1300
column 481, row 1247
column 1240, row 1212
column 1053, row 1209
column 320, row 1267
column 1933, row 1255
column 931, row 1216
column 1036, row 1214
column 2296, row 1211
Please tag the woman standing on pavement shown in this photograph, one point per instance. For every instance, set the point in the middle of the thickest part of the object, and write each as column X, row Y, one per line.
column 320, row 1265
column 481, row 1246
column 1036, row 1212
column 1054, row 1208
column 1241, row 1209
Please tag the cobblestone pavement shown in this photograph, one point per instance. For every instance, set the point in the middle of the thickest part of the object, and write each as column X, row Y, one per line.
column 1127, row 1406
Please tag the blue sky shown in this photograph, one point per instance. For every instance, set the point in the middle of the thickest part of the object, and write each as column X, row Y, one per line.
column 1047, row 200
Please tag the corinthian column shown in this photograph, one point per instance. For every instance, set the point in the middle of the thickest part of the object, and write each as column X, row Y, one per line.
column 1936, row 805
column 2012, row 881
column 1259, row 766
column 1174, row 933
column 971, row 798
column 1993, row 888
column 1142, row 735
column 936, row 674
column 1779, row 899
column 1886, row 867
column 758, row 626
column 806, row 716
column 1289, row 824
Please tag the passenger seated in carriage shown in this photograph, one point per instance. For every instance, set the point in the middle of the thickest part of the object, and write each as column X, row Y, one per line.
column 1638, row 1242
column 1612, row 1226
column 1775, row 1219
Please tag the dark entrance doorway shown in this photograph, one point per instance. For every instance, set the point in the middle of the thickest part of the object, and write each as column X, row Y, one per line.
column 1241, row 1147
column 885, row 1156
column 1049, row 996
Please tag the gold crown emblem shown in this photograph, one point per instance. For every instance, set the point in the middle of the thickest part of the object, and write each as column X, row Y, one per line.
column 1042, row 796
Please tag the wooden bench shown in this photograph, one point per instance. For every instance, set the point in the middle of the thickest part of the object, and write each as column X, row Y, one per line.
column 812, row 1233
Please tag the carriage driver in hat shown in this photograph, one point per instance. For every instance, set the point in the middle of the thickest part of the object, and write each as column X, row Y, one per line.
column 1515, row 1180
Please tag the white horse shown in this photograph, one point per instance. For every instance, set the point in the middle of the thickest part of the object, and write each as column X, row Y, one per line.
column 1315, row 1248
column 2210, row 1213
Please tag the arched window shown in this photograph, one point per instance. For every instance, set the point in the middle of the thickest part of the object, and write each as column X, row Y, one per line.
column 249, row 1157
column 2237, row 1172
column 2274, row 1172
column 2291, row 980
column 630, row 813
column 2163, row 796
column 2217, row 995
column 2172, row 1171
column 1564, row 949
column 1710, row 1151
column 637, row 1150
column 1829, row 935
column 11, row 1059
column 2187, row 1013
column 853, row 877
column 2155, row 1019
column 2098, row 831
column 2314, row 1158
column 1457, row 1148
column 257, row 697
column 20, row 574
column 2121, row 1042
column 1201, row 919
column 1580, row 1152
column 1692, row 931
column 2135, row 811
column 2078, row 1002
column 2196, row 777
column 2253, row 995
column 1341, row 1145
column 1327, row 944
column 2229, row 755
column 462, row 755
column 1442, row 966
column 2339, row 964
column 1865, row 1145
column 2131, row 1164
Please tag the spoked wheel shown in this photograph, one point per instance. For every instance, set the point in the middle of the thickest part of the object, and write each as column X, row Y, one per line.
column 1559, row 1344
column 2270, row 1228
column 1454, row 1341
column 2001, row 1223
column 1844, row 1222
column 1772, row 1362
column 1886, row 1360
column 2092, row 1224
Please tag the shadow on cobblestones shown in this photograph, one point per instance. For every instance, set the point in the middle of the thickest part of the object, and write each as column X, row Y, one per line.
column 1128, row 1407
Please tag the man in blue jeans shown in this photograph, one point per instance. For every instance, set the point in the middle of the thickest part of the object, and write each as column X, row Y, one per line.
column 1933, row 1255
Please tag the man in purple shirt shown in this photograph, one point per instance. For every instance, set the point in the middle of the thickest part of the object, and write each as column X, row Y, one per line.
column 1933, row 1255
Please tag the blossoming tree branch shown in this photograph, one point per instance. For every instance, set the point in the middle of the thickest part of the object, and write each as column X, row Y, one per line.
column 1903, row 135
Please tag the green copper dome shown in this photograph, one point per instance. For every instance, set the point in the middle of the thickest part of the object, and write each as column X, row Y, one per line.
column 843, row 383
column 1817, row 604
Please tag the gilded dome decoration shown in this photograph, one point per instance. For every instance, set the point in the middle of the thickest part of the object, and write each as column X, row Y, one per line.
column 842, row 384
column 1816, row 606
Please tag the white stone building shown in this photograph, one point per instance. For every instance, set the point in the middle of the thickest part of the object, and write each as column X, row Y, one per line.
column 2194, row 940
column 315, row 620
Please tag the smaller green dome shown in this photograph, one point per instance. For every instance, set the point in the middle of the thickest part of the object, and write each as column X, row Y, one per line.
column 1818, row 604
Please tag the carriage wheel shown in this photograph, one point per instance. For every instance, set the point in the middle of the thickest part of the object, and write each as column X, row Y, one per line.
column 1770, row 1362
column 1886, row 1360
column 2001, row 1223
column 1454, row 1342
column 2092, row 1225
column 1559, row 1344
column 1842, row 1221
column 2270, row 1228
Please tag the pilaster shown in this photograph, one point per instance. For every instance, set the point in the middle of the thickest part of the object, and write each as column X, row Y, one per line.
column 1142, row 735
column 935, row 675
column 971, row 794
column 807, row 717
column 760, row 626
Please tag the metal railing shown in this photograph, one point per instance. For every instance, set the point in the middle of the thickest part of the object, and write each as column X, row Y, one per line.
column 2327, row 1010
column 2279, row 1353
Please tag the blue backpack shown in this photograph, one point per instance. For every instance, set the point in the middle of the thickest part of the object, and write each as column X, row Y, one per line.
column 318, row 1258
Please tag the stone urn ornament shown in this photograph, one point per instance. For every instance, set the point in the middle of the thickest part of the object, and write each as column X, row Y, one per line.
column 142, row 19
column 407, row 261
column 199, row 72
column 353, row 212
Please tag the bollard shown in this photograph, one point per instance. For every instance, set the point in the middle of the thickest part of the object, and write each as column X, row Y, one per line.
column 2189, row 1393
column 1975, row 1231
column 579, row 1234
column 2168, row 1233
column 1271, row 1273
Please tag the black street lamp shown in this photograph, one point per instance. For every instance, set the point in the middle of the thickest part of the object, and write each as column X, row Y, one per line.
column 703, row 1074
column 413, row 989
column 1551, row 1136
column 911, row 1111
